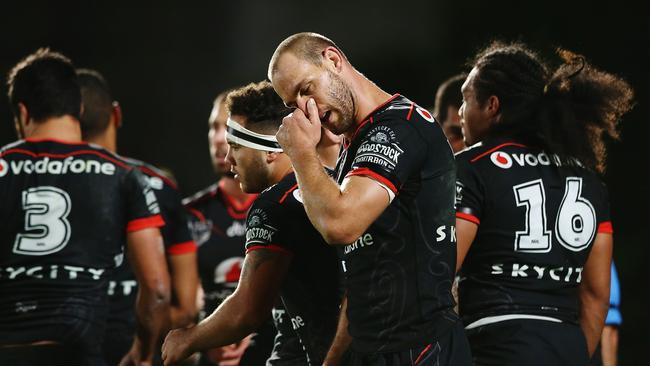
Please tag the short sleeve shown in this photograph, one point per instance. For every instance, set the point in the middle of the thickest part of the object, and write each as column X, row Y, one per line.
column 470, row 192
column 603, row 215
column 389, row 153
column 142, row 207
column 176, row 232
column 264, row 227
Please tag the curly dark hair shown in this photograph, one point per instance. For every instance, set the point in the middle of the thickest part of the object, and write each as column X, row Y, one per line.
column 260, row 104
column 567, row 112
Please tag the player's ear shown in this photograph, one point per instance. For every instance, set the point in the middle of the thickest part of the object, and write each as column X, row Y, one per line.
column 272, row 156
column 492, row 107
column 23, row 114
column 333, row 58
column 116, row 114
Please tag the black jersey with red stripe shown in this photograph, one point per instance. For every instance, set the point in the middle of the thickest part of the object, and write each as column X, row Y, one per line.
column 310, row 293
column 536, row 221
column 122, row 288
column 400, row 271
column 217, row 223
column 66, row 210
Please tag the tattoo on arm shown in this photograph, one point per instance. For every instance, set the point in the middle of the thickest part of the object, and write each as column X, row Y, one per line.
column 255, row 259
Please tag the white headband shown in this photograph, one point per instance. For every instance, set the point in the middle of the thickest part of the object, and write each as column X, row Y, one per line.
column 240, row 135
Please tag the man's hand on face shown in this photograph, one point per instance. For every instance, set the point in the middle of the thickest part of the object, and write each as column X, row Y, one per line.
column 300, row 133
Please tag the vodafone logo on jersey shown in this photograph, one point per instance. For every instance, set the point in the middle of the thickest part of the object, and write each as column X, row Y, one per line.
column 4, row 168
column 501, row 159
column 504, row 160
column 425, row 114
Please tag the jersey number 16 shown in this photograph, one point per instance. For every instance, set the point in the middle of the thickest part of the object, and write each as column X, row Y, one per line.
column 575, row 223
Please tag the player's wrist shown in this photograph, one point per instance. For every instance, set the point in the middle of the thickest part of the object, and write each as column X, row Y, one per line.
column 304, row 156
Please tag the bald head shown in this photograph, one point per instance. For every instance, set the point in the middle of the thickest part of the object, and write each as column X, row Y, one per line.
column 306, row 46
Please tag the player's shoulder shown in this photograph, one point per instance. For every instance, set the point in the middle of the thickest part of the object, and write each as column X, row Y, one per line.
column 279, row 192
column 158, row 179
column 400, row 109
column 497, row 151
column 201, row 197
column 75, row 154
column 11, row 146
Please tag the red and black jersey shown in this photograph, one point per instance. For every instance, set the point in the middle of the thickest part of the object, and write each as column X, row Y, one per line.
column 122, row 288
column 217, row 223
column 537, row 221
column 400, row 271
column 66, row 210
column 310, row 293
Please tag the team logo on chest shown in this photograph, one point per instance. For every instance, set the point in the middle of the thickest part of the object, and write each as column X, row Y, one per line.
column 381, row 148
column 201, row 231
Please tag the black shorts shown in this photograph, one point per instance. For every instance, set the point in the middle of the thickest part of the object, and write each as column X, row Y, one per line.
column 451, row 349
column 48, row 355
column 528, row 342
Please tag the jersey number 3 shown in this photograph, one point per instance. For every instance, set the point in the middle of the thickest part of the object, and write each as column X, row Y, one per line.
column 46, row 221
column 575, row 223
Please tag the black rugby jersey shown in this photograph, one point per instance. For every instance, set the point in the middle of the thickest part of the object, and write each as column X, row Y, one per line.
column 66, row 210
column 310, row 293
column 536, row 226
column 400, row 271
column 217, row 223
column 122, row 289
column 287, row 349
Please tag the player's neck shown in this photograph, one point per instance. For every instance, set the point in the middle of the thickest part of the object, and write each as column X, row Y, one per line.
column 368, row 96
column 64, row 128
column 231, row 187
column 105, row 140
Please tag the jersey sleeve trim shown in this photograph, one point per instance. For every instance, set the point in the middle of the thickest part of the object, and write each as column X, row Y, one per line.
column 373, row 175
column 182, row 248
column 606, row 227
column 468, row 217
column 145, row 223
column 271, row 247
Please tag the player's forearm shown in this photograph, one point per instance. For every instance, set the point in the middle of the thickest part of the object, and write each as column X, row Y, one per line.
column 152, row 311
column 227, row 325
column 185, row 282
column 593, row 309
column 609, row 346
column 321, row 196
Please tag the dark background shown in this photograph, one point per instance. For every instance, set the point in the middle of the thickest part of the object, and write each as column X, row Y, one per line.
column 166, row 61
